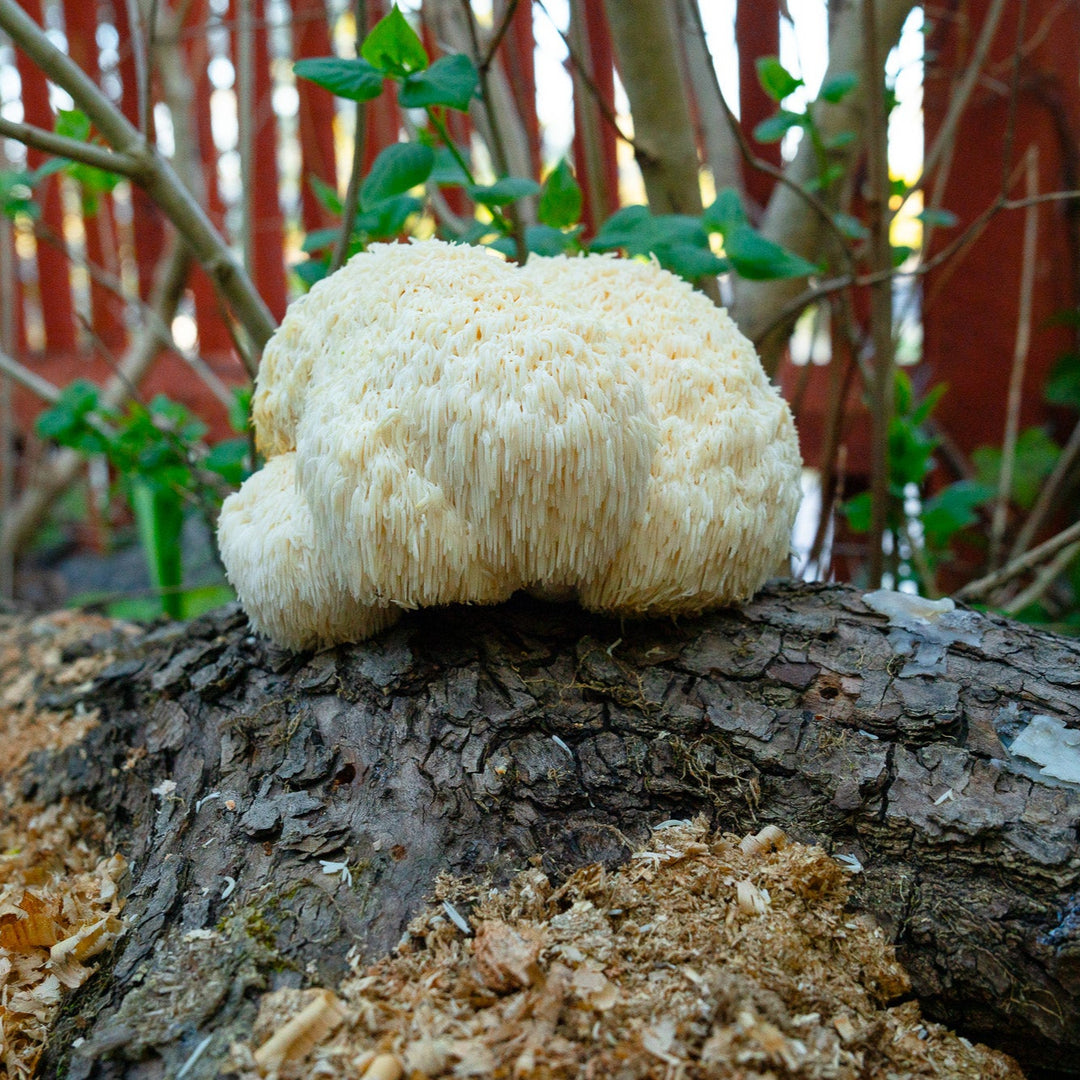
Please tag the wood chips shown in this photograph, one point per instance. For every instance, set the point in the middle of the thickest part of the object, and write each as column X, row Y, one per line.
column 703, row 957
column 59, row 903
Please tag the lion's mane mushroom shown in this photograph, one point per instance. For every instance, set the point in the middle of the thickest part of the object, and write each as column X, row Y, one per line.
column 443, row 427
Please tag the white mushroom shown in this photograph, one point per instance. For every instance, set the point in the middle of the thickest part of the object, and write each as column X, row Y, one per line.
column 444, row 427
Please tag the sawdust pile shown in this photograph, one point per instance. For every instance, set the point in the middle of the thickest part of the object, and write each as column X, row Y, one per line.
column 704, row 957
column 59, row 905
column 57, row 654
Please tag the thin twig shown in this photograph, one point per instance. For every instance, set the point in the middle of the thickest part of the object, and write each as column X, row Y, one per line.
column 970, row 234
column 959, row 97
column 8, row 299
column 1049, row 493
column 582, row 71
column 351, row 204
column 999, row 518
column 31, row 380
column 984, row 586
column 1043, row 580
column 61, row 146
column 1014, row 98
column 497, row 37
column 498, row 148
column 142, row 68
column 881, row 386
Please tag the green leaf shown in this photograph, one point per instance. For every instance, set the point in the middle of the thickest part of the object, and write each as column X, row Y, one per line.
column 840, row 140
column 397, row 169
column 318, row 239
column 448, row 171
column 776, row 127
column 826, row 178
column 387, row 218
column 837, row 88
column 326, row 194
column 857, row 511
column 725, row 213
column 936, row 216
column 1036, row 455
column 758, row 259
column 352, row 79
column 229, row 460
column 393, row 46
column 900, row 255
column 479, row 232
column 953, row 509
column 240, row 409
column 502, row 191
column 1063, row 385
column 690, row 261
column 898, row 187
column 450, row 81
column 775, row 79
column 851, row 227
column 311, row 271
column 77, row 400
column 921, row 412
column 560, row 198
column 640, row 232
column 549, row 240
column 73, row 124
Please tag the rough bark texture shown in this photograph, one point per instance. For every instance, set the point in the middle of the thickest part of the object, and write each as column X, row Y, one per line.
column 469, row 740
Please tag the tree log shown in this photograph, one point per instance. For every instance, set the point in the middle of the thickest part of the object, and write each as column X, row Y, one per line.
column 471, row 739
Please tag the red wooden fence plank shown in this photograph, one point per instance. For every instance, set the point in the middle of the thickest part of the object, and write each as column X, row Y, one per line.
column 601, row 192
column 54, row 273
column 311, row 37
column 147, row 221
column 517, row 54
column 214, row 336
column 971, row 302
column 267, row 226
column 757, row 30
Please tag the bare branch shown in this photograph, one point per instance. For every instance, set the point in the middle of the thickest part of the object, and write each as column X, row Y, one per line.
column 984, row 586
column 61, row 146
column 1019, row 363
column 877, row 203
column 152, row 172
column 31, row 380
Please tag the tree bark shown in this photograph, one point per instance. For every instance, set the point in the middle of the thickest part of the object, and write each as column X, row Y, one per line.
column 470, row 739
column 643, row 33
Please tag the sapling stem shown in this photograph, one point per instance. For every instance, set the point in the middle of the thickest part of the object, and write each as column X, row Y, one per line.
column 356, row 169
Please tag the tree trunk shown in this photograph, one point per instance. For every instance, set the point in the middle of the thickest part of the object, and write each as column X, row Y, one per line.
column 469, row 739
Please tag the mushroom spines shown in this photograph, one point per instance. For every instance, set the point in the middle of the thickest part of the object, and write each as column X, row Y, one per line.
column 445, row 427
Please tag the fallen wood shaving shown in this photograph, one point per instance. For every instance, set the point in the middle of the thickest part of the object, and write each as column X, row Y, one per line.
column 59, row 908
column 59, row 903
column 703, row 957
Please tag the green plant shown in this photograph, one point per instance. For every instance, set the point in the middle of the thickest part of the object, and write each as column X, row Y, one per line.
column 164, row 465
column 393, row 53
